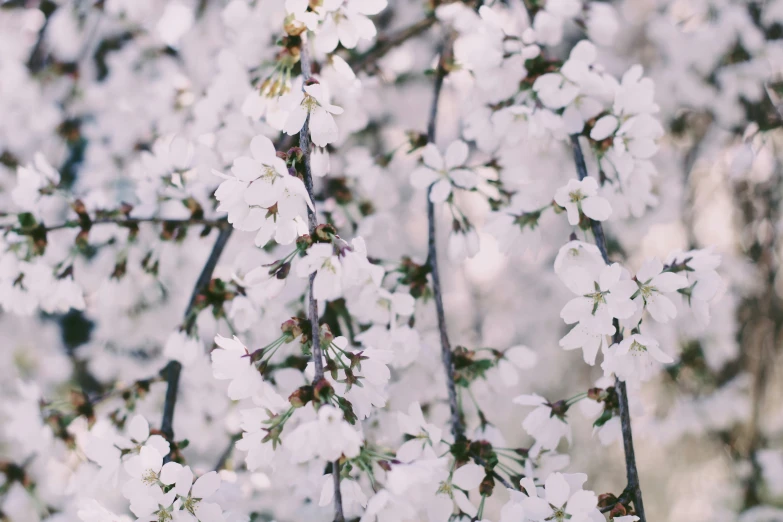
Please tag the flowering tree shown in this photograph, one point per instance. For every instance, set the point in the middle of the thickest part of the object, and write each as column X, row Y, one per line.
column 387, row 261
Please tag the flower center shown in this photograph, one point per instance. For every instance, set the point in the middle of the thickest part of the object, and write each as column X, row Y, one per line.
column 190, row 504
column 309, row 103
column 268, row 173
column 576, row 196
column 149, row 477
column 647, row 291
column 637, row 349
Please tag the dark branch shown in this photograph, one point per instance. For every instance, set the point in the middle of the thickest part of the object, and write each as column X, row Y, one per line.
column 384, row 44
column 631, row 472
column 457, row 428
column 174, row 368
column 304, row 144
column 122, row 221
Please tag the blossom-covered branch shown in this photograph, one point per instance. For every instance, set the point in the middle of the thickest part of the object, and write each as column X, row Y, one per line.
column 632, row 474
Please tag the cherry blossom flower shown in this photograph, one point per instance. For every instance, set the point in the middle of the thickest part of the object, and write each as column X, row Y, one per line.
column 514, row 359
column 579, row 197
column 321, row 259
column 599, row 300
column 30, row 180
column 328, row 437
column 192, row 495
column 439, row 173
column 543, row 423
column 138, row 433
column 313, row 102
column 423, row 433
column 347, row 22
column 560, row 500
column 634, row 358
column 654, row 284
column 463, row 243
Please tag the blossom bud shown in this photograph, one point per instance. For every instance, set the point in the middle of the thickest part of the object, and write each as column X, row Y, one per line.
column 618, row 511
column 296, row 154
column 302, row 242
column 301, row 396
column 606, row 500
column 293, row 27
column 322, row 391
column 283, row 271
column 292, row 328
column 79, row 207
column 559, row 409
column 417, row 140
column 596, row 394
column 486, row 486
column 119, row 270
column 324, row 233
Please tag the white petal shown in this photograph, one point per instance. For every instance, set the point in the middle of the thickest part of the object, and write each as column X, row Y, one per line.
column 440, row 191
column 604, row 128
column 263, row 149
column 456, row 155
column 521, row 356
column 464, row 504
column 556, row 489
column 581, row 502
column 206, row 485
column 139, row 429
column 469, row 476
column 432, row 158
column 422, row 177
column 597, row 208
column 209, row 512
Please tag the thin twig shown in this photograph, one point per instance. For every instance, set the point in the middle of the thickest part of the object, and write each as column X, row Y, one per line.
column 37, row 58
column 121, row 221
column 457, row 428
column 631, row 472
column 304, row 144
column 226, row 455
column 174, row 368
column 385, row 44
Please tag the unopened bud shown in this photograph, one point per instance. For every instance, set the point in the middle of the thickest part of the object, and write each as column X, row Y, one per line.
column 292, row 328
column 324, row 233
column 283, row 271
column 606, row 500
column 486, row 486
column 596, row 394
column 618, row 511
column 301, row 396
column 560, row 408
column 323, row 390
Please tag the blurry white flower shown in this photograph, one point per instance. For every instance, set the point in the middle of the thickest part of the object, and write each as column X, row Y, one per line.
column 441, row 172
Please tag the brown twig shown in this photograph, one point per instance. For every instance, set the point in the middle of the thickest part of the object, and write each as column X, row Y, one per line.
column 632, row 474
column 304, row 144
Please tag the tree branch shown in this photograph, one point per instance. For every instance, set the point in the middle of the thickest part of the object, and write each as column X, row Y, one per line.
column 119, row 221
column 312, row 218
column 631, row 472
column 174, row 368
column 457, row 427
column 384, row 44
